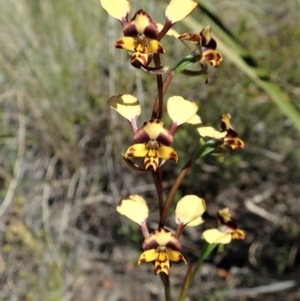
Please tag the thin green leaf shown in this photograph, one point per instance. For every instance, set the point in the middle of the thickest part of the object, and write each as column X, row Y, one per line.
column 185, row 62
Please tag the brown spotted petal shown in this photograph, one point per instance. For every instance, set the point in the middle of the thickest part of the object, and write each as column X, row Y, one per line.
column 139, row 59
column 238, row 234
column 206, row 39
column 161, row 246
column 162, row 257
column 228, row 225
column 192, row 37
column 154, row 46
column 234, row 143
column 141, row 24
column 154, row 129
column 148, row 255
column 138, row 150
column 161, row 237
column 162, row 263
column 226, row 125
column 167, row 153
column 224, row 216
column 140, row 44
column 151, row 160
column 225, row 220
column 213, row 57
column 152, row 152
column 231, row 139
column 127, row 43
column 157, row 152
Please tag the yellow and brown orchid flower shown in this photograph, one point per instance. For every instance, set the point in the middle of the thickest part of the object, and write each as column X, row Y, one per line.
column 141, row 34
column 161, row 246
column 153, row 140
column 140, row 38
column 226, row 231
column 227, row 135
column 206, row 52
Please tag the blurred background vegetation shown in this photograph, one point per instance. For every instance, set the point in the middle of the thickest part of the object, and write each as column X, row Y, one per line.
column 61, row 173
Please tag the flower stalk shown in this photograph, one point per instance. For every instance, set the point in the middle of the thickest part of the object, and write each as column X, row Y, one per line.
column 152, row 140
column 191, row 272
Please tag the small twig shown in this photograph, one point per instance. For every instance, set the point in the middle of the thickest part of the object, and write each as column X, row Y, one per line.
column 173, row 191
column 261, row 212
column 166, row 83
column 157, row 179
column 293, row 254
column 159, row 103
column 252, row 251
column 269, row 288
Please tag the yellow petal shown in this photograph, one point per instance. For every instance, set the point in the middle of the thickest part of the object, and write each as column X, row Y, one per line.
column 196, row 222
column 171, row 32
column 238, row 234
column 175, row 256
column 134, row 207
column 214, row 57
column 151, row 162
column 126, row 105
column 181, row 110
column 127, row 43
column 225, row 215
column 155, row 47
column 162, row 264
column 155, row 128
column 118, row 9
column 234, row 143
column 163, row 237
column 208, row 131
column 138, row 150
column 139, row 59
column 141, row 21
column 214, row 236
column 167, row 152
column 148, row 256
column 195, row 120
column 206, row 34
column 188, row 209
column 179, row 9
